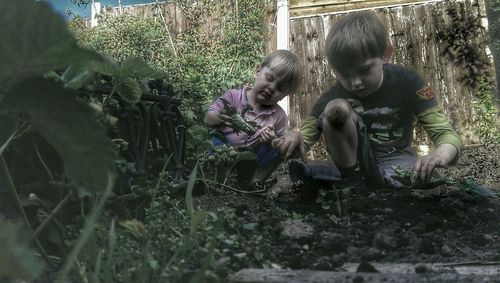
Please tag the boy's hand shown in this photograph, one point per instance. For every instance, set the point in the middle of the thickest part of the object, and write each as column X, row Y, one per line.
column 288, row 143
column 268, row 134
column 441, row 156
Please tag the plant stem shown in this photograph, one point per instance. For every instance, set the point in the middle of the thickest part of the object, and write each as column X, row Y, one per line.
column 5, row 175
column 233, row 189
column 162, row 174
column 87, row 230
column 54, row 212
column 43, row 163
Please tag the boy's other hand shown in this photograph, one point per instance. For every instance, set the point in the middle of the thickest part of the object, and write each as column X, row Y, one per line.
column 288, row 144
column 424, row 166
column 441, row 156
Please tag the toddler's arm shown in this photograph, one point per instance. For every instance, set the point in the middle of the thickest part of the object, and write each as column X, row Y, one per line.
column 215, row 119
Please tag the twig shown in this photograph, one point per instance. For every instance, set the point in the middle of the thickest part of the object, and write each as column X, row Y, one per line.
column 233, row 189
column 469, row 263
column 54, row 212
column 43, row 163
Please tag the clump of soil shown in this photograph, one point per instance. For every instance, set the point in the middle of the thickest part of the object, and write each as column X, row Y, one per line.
column 348, row 223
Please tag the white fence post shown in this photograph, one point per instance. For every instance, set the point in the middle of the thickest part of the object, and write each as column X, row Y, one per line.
column 96, row 10
column 282, row 37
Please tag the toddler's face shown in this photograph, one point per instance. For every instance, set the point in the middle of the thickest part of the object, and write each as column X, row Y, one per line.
column 269, row 88
column 362, row 79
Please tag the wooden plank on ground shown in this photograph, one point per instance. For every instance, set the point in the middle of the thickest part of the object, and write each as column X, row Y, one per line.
column 388, row 272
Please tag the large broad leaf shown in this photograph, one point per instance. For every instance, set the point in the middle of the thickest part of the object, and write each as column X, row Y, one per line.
column 129, row 89
column 33, row 39
column 69, row 126
column 77, row 76
column 17, row 259
column 134, row 67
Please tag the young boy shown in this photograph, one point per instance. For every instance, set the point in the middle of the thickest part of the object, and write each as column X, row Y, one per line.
column 276, row 77
column 367, row 115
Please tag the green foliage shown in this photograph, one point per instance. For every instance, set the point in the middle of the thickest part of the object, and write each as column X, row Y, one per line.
column 17, row 260
column 201, row 63
column 34, row 44
column 44, row 67
column 488, row 127
column 34, row 40
column 54, row 111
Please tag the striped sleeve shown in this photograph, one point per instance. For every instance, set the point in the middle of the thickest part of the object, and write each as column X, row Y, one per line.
column 438, row 128
column 310, row 131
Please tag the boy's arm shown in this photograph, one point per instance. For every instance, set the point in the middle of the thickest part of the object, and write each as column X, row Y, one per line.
column 447, row 142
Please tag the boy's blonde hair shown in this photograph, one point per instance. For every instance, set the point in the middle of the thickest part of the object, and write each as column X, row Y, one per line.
column 285, row 63
column 355, row 38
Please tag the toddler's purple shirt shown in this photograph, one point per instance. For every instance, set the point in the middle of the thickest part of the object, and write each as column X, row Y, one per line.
column 274, row 115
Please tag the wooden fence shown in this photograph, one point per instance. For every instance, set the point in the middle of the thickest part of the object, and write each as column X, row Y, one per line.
column 413, row 32
column 413, row 29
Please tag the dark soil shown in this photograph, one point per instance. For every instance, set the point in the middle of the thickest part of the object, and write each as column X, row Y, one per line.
column 324, row 226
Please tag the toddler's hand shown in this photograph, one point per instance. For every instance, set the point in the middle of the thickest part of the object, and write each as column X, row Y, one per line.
column 268, row 134
column 225, row 119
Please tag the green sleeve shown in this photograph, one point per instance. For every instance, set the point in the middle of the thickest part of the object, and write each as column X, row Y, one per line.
column 438, row 128
column 310, row 131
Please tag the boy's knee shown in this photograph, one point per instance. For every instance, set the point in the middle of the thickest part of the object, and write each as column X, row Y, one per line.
column 337, row 112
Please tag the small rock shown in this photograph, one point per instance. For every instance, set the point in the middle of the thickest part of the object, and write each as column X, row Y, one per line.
column 372, row 254
column 332, row 241
column 421, row 269
column 446, row 250
column 365, row 266
column 297, row 230
column 385, row 241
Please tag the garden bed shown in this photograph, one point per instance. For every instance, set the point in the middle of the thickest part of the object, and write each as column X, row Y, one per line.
column 323, row 227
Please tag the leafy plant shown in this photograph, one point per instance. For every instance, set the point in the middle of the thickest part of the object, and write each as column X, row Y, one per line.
column 16, row 257
column 201, row 64
column 487, row 113
column 35, row 41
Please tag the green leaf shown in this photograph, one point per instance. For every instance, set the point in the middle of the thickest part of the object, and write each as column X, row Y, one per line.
column 198, row 132
column 17, row 259
column 77, row 76
column 250, row 226
column 246, row 155
column 107, row 68
column 129, row 89
column 134, row 67
column 34, row 40
column 189, row 191
column 196, row 219
column 69, row 126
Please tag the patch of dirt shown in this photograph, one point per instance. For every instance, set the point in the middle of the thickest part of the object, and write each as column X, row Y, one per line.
column 348, row 223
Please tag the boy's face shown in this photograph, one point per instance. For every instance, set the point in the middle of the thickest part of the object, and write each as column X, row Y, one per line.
column 363, row 78
column 269, row 88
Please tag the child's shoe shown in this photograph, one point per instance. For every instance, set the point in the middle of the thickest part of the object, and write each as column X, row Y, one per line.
column 319, row 171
